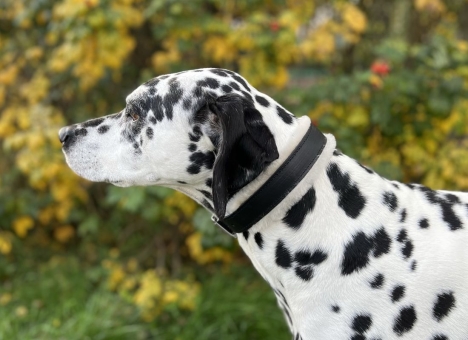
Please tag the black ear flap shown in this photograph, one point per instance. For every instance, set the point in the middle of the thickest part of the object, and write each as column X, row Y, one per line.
column 246, row 147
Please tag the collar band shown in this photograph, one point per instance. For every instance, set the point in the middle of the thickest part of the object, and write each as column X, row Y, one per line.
column 277, row 187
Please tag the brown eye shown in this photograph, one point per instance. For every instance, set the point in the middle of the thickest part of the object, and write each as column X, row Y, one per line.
column 134, row 116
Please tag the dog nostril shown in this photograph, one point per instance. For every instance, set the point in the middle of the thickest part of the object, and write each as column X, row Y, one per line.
column 63, row 134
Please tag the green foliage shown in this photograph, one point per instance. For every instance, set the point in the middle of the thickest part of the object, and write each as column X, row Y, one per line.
column 63, row 298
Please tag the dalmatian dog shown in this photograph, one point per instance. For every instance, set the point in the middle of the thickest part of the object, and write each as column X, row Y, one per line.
column 349, row 254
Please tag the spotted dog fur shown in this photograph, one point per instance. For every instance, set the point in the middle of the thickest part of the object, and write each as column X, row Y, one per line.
column 349, row 254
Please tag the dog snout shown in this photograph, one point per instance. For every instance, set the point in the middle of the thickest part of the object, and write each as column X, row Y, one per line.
column 64, row 134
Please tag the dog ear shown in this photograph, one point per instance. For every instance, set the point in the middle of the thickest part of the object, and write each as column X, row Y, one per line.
column 245, row 148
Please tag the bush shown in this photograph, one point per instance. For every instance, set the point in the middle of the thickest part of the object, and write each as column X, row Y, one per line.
column 388, row 78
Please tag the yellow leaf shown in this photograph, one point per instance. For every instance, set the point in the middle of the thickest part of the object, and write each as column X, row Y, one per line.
column 21, row 311
column 5, row 299
column 65, row 233
column 5, row 243
column 22, row 224
column 434, row 6
column 354, row 18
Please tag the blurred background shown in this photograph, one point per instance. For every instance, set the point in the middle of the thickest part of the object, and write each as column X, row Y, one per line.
column 90, row 261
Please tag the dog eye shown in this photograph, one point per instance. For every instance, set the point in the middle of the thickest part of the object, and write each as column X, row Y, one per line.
column 134, row 116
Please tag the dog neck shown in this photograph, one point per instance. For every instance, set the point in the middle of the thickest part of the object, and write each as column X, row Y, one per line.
column 286, row 142
column 286, row 139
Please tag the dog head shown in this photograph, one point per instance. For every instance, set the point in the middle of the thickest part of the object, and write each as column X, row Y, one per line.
column 202, row 128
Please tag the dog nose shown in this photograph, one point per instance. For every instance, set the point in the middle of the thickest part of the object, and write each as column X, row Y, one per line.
column 63, row 134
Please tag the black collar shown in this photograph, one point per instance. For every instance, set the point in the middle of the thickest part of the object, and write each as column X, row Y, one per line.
column 278, row 186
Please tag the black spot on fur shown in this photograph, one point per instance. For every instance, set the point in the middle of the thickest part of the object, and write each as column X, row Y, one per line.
column 405, row 320
column 450, row 217
column 193, row 169
column 206, row 194
column 200, row 159
column 152, row 82
column 304, row 257
column 181, row 182
column 103, row 129
column 172, row 80
column 402, row 236
column 262, row 101
column 397, row 293
column 207, row 205
column 361, row 323
column 192, row 147
column 358, row 337
column 209, row 182
column 149, row 132
column 286, row 117
column 336, row 308
column 247, row 96
column 187, row 103
column 212, row 83
column 444, row 304
column 350, row 197
column 446, row 205
column 234, row 85
column 194, row 138
column 241, row 81
column 356, row 254
column 407, row 250
column 282, row 256
column 259, row 240
column 81, row 132
column 246, row 235
column 305, row 273
column 413, row 265
column 377, row 281
column 197, row 131
column 93, row 122
column 152, row 119
column 226, row 88
column 197, row 92
column 172, row 98
column 157, row 108
column 366, row 168
column 452, row 198
column 219, row 72
column 196, row 134
column 424, row 223
column 440, row 337
column 297, row 213
column 390, row 200
column 382, row 242
column 403, row 216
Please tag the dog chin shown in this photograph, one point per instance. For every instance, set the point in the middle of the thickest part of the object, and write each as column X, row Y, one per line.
column 87, row 174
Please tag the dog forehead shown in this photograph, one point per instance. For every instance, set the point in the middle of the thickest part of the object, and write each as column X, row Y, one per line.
column 185, row 81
